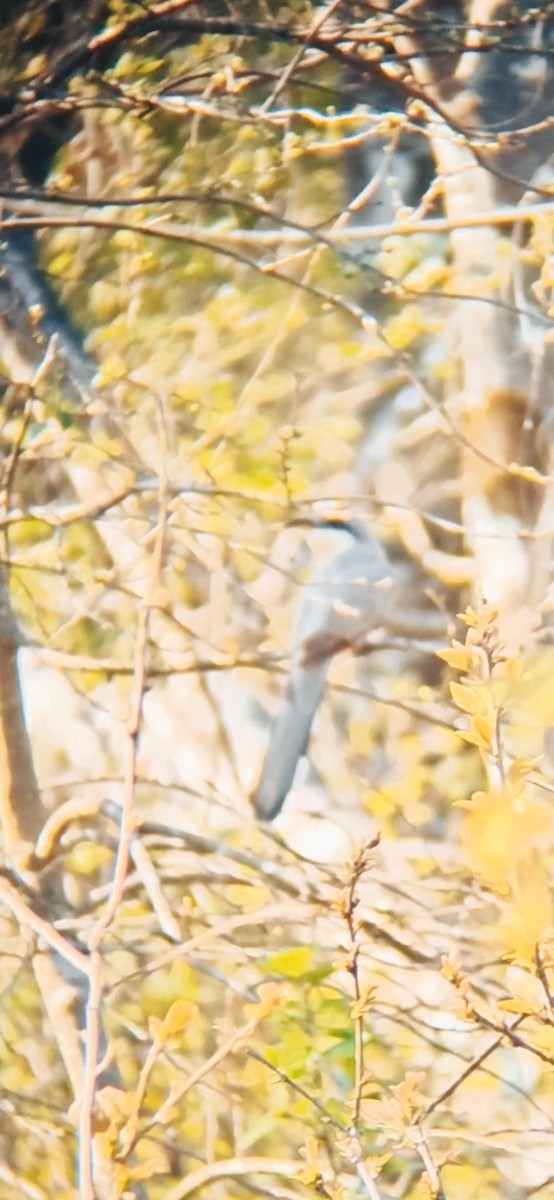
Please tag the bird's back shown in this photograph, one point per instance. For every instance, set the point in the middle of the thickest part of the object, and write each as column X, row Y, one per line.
column 348, row 596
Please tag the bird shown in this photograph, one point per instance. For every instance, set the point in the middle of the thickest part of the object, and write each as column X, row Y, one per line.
column 347, row 598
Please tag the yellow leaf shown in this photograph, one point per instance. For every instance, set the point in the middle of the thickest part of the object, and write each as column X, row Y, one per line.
column 115, row 1104
column 404, row 328
column 513, row 668
column 500, row 832
column 176, row 1019
column 517, row 1005
column 471, row 700
column 271, row 995
column 310, row 1152
column 249, row 897
column 104, row 300
column 530, row 912
column 522, row 767
column 483, row 727
column 543, row 1039
column 85, row 858
column 61, row 264
column 456, row 656
column 382, row 1114
column 454, row 975
column 113, row 368
column 473, row 739
column 408, row 1094
column 294, row 962
column 481, row 620
column 364, row 1004
column 373, row 1163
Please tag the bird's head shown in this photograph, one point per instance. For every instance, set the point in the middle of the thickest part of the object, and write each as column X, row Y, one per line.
column 353, row 527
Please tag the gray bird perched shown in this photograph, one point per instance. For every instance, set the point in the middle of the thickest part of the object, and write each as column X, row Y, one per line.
column 351, row 596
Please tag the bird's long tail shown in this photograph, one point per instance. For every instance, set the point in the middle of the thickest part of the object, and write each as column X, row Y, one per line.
column 289, row 737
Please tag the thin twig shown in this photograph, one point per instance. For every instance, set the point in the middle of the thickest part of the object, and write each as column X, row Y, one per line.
column 26, row 916
column 297, row 1087
column 465, row 1074
column 123, row 857
column 232, row 1168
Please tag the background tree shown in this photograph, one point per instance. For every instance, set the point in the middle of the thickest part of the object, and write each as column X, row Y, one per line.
column 257, row 265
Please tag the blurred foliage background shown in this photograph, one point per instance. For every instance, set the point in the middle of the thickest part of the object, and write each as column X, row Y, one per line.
column 263, row 263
